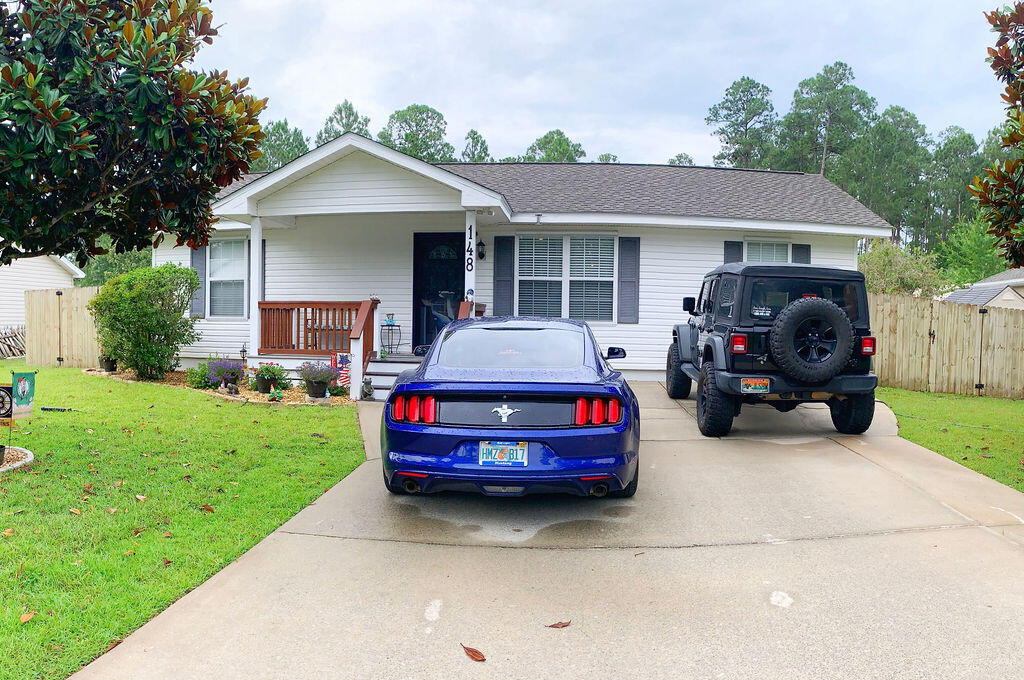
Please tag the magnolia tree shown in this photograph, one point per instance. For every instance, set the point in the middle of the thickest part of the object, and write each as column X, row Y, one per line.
column 104, row 130
column 1000, row 193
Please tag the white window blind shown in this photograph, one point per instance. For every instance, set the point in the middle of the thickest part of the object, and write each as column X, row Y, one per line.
column 587, row 293
column 227, row 278
column 767, row 251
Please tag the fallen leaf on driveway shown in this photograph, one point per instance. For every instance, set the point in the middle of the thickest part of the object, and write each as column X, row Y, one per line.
column 25, row 618
column 140, row 497
column 560, row 624
column 638, row 554
column 76, row 511
column 207, row 508
column 474, row 654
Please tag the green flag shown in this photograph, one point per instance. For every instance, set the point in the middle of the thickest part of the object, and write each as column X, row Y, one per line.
column 24, row 391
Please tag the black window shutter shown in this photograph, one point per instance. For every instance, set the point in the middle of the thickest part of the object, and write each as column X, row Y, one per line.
column 801, row 253
column 198, row 262
column 629, row 279
column 504, row 268
column 734, row 251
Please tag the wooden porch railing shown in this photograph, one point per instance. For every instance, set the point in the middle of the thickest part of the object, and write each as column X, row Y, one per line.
column 362, row 328
column 465, row 307
column 316, row 328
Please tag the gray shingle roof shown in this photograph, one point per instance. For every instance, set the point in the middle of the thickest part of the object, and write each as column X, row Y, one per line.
column 1016, row 274
column 239, row 183
column 668, row 190
column 975, row 295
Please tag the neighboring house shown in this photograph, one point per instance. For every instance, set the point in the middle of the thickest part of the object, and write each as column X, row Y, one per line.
column 1005, row 289
column 32, row 273
column 619, row 245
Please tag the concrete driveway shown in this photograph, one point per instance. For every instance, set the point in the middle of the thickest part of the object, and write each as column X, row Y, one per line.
column 782, row 551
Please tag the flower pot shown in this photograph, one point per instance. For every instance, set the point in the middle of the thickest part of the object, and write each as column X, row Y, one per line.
column 317, row 390
column 108, row 365
column 264, row 385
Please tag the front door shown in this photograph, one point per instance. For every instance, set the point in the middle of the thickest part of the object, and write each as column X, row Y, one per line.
column 438, row 284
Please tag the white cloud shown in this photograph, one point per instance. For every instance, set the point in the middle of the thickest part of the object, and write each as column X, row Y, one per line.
column 631, row 79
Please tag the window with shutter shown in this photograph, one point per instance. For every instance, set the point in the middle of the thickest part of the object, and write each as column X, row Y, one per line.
column 226, row 274
column 566, row 275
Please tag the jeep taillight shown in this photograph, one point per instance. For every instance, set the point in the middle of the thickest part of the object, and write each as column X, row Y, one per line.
column 597, row 411
column 738, row 343
column 867, row 346
column 414, row 409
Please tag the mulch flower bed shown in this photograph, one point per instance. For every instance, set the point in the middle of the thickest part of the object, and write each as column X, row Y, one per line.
column 292, row 396
column 14, row 456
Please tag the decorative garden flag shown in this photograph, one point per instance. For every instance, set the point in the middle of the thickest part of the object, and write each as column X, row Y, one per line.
column 344, row 364
column 24, row 388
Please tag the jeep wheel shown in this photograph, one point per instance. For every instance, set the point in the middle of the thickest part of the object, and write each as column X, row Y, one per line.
column 811, row 340
column 677, row 383
column 715, row 409
column 853, row 414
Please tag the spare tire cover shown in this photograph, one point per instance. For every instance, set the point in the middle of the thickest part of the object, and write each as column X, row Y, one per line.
column 811, row 340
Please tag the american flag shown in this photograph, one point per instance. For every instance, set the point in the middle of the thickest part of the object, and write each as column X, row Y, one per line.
column 343, row 362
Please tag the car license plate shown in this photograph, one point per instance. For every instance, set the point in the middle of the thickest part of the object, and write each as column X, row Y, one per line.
column 755, row 385
column 508, row 454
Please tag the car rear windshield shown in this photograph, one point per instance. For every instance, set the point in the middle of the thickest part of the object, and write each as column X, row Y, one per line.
column 511, row 348
column 768, row 296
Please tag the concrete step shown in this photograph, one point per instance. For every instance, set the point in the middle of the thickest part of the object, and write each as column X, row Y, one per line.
column 382, row 368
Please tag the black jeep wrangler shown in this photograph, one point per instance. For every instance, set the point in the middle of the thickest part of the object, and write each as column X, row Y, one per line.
column 781, row 334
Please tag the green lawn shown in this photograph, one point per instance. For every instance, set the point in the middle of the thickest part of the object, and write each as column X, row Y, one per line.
column 985, row 434
column 139, row 463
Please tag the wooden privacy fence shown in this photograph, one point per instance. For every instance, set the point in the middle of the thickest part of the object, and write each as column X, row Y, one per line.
column 936, row 346
column 59, row 329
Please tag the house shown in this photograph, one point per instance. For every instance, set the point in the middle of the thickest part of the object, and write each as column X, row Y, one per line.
column 32, row 273
column 304, row 253
column 1005, row 289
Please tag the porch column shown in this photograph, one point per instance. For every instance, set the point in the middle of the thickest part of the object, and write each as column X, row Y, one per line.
column 469, row 263
column 255, row 276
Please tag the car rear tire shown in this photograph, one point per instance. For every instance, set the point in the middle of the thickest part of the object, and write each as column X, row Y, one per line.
column 715, row 409
column 677, row 383
column 630, row 489
column 853, row 415
column 811, row 340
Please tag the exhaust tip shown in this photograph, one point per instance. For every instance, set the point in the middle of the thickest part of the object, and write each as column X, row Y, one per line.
column 410, row 486
column 599, row 490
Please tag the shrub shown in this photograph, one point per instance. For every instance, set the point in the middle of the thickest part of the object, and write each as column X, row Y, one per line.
column 318, row 371
column 338, row 390
column 888, row 268
column 199, row 377
column 141, row 318
column 223, row 371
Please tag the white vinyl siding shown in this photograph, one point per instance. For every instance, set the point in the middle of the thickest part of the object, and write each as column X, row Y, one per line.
column 543, row 289
column 33, row 273
column 226, row 269
column 767, row 251
column 360, row 183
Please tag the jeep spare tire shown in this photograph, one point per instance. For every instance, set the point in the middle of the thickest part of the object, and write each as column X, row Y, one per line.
column 811, row 340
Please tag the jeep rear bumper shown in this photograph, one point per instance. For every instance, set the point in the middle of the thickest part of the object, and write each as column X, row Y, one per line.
column 792, row 389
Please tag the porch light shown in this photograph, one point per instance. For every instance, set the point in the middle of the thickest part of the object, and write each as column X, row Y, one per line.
column 244, row 351
column 481, row 250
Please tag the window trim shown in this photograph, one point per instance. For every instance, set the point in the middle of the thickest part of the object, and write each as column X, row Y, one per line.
column 245, row 281
column 748, row 241
column 566, row 276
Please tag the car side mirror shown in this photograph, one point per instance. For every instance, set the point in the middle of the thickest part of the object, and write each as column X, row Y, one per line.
column 421, row 350
column 689, row 304
column 615, row 353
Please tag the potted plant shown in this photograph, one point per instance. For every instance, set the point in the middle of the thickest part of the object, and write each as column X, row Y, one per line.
column 108, row 363
column 269, row 376
column 317, row 375
column 226, row 372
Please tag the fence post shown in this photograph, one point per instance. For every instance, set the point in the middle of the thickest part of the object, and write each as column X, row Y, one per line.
column 979, row 386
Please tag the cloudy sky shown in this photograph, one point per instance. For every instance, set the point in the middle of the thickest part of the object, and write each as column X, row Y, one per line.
column 630, row 78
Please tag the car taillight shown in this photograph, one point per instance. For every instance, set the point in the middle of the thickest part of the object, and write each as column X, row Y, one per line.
column 414, row 409
column 867, row 346
column 597, row 411
column 738, row 343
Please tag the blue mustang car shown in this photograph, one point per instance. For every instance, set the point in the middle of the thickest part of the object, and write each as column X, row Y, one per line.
column 508, row 406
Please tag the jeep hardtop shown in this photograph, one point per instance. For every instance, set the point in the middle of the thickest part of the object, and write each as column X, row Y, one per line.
column 781, row 334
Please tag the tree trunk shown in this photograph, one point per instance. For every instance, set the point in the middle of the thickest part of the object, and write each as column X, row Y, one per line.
column 824, row 144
